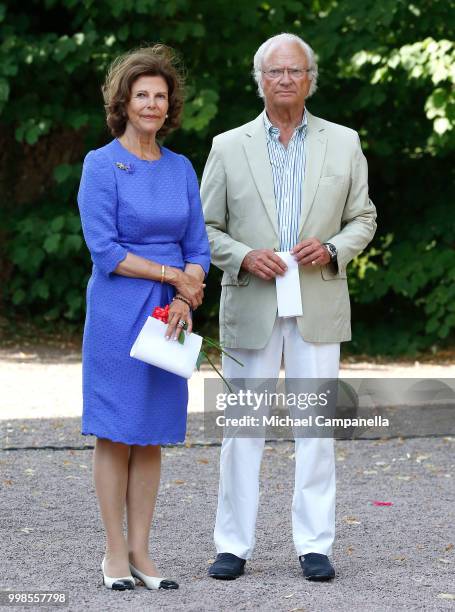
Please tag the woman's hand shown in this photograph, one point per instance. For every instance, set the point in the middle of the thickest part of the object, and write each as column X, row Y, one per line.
column 191, row 288
column 178, row 312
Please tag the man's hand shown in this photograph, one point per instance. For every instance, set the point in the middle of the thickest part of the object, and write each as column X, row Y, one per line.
column 311, row 252
column 264, row 264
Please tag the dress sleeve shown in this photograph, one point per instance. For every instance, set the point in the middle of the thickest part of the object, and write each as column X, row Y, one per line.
column 195, row 244
column 97, row 200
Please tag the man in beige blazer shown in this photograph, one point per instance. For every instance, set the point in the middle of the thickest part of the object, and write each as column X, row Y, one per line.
column 286, row 181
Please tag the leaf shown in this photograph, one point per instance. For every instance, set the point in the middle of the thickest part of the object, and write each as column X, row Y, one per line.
column 57, row 223
column 62, row 173
column 200, row 111
column 218, row 346
column 32, row 135
column 4, row 90
column 19, row 254
column 35, row 259
column 73, row 223
column 351, row 520
column 200, row 360
column 40, row 289
column 123, row 32
column 73, row 242
column 78, row 120
column 18, row 296
column 52, row 243
column 181, row 338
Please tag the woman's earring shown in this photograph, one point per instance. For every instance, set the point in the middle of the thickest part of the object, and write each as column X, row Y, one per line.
column 167, row 116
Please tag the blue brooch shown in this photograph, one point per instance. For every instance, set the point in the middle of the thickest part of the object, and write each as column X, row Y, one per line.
column 127, row 167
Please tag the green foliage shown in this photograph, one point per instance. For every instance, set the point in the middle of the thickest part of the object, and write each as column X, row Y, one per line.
column 50, row 265
column 428, row 60
column 386, row 69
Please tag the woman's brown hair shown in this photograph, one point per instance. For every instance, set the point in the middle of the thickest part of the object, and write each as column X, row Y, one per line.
column 158, row 60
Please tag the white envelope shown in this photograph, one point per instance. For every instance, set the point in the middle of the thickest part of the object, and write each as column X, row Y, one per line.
column 152, row 347
column 288, row 288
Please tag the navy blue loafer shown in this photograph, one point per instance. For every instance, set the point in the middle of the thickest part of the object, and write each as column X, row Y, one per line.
column 316, row 567
column 227, row 567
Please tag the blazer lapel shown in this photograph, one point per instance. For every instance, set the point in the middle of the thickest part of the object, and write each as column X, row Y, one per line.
column 315, row 147
column 255, row 145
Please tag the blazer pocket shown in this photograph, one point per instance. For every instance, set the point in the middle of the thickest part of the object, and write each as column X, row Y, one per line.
column 230, row 280
column 328, row 273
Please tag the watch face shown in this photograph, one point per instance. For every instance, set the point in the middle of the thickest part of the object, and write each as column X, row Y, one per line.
column 332, row 250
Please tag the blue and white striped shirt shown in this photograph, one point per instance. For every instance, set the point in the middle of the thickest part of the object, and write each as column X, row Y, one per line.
column 288, row 168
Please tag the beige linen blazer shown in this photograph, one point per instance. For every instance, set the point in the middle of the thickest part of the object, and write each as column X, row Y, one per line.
column 240, row 213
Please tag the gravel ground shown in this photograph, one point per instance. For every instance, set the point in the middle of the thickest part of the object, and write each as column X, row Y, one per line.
column 387, row 557
column 397, row 557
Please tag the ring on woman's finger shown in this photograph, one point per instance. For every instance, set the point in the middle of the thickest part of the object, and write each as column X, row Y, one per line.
column 182, row 324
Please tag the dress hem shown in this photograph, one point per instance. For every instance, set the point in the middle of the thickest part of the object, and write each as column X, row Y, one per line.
column 152, row 443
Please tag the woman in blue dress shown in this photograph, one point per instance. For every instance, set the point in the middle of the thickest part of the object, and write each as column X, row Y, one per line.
column 143, row 224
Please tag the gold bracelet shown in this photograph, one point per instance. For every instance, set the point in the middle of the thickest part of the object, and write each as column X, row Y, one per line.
column 163, row 272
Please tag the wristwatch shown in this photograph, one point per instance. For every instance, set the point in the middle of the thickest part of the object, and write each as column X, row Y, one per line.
column 331, row 248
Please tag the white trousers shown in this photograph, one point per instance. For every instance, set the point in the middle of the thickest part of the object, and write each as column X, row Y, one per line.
column 313, row 506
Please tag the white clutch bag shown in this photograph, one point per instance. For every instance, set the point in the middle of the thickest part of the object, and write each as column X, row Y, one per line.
column 152, row 347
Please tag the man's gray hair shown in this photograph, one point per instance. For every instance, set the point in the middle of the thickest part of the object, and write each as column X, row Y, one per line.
column 285, row 37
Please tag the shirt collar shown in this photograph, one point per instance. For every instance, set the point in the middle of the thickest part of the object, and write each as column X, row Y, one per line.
column 273, row 133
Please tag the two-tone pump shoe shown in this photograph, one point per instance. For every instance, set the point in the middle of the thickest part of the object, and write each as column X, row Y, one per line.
column 153, row 582
column 118, row 584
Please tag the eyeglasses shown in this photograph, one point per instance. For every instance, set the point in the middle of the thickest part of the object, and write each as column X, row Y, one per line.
column 294, row 73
